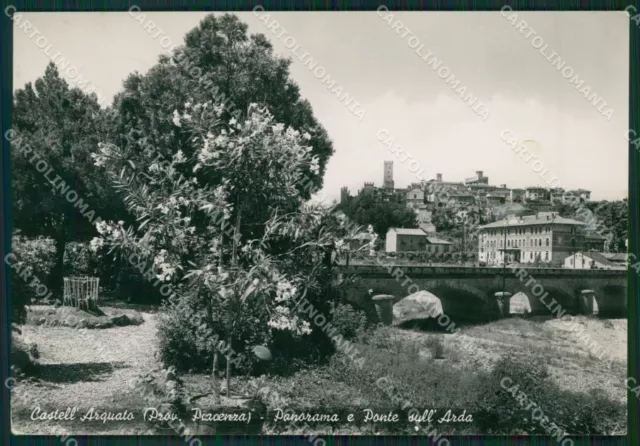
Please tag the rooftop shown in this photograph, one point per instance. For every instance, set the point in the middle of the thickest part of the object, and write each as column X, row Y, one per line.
column 438, row 241
column 362, row 236
column 615, row 257
column 455, row 183
column 540, row 218
column 598, row 257
column 408, row 231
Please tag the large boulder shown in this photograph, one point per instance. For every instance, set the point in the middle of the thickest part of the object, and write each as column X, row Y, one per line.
column 519, row 304
column 417, row 306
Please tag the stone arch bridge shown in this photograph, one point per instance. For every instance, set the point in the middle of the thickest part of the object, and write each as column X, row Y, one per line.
column 469, row 292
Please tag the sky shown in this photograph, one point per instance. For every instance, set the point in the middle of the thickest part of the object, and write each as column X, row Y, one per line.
column 523, row 92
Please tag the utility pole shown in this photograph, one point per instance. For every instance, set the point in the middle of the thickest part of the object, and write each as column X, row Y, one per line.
column 504, row 257
column 503, row 296
column 463, row 257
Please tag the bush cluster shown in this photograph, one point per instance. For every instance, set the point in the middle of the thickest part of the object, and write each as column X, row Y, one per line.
column 414, row 377
column 350, row 322
column 35, row 258
column 411, row 378
column 23, row 355
column 184, row 345
column 81, row 260
column 574, row 413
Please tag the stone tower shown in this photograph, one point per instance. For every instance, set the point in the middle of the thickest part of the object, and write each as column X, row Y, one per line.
column 344, row 194
column 387, row 183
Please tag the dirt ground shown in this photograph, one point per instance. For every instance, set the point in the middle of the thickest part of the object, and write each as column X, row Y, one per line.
column 85, row 368
column 94, row 368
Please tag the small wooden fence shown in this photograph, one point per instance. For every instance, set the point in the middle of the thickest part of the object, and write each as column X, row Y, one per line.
column 81, row 292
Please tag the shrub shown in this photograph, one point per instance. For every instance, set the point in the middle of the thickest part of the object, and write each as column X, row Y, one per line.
column 34, row 258
column 184, row 344
column 81, row 260
column 416, row 379
column 179, row 342
column 591, row 412
column 498, row 410
column 435, row 343
column 574, row 413
column 131, row 285
column 23, row 355
column 349, row 322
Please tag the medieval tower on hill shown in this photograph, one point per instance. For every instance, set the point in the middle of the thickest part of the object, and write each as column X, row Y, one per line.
column 387, row 183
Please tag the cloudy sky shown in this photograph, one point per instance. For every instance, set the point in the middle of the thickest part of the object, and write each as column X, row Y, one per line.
column 399, row 92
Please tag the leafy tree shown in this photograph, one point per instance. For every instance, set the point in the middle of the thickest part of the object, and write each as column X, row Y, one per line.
column 609, row 218
column 366, row 210
column 444, row 218
column 460, row 222
column 218, row 62
column 193, row 231
column 613, row 218
column 62, row 126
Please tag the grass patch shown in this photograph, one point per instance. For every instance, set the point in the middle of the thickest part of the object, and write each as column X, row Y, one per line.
column 75, row 318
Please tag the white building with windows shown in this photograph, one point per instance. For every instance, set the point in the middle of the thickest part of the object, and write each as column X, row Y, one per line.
column 590, row 260
column 545, row 237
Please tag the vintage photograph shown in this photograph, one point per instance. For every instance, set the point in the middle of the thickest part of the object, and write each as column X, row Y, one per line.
column 320, row 223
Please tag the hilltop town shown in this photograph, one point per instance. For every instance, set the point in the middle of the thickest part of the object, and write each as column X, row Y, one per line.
column 458, row 221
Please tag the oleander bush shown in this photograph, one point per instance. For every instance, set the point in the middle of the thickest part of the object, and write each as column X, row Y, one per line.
column 185, row 345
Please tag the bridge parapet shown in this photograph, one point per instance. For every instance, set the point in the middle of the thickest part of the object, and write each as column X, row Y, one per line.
column 457, row 271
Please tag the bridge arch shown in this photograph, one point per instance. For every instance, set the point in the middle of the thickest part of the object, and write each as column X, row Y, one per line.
column 612, row 300
column 460, row 300
column 551, row 300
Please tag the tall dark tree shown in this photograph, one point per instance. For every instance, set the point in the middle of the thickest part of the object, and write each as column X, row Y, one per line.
column 460, row 222
column 63, row 127
column 366, row 210
column 612, row 217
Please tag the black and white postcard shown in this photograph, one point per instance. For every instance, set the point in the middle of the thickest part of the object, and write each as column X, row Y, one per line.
column 320, row 223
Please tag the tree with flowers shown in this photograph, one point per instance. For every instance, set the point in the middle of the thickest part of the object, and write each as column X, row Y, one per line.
column 218, row 61
column 242, row 241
